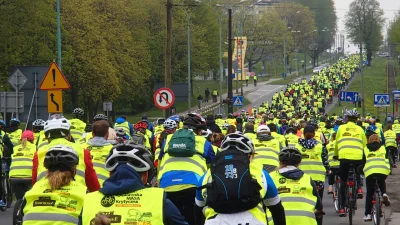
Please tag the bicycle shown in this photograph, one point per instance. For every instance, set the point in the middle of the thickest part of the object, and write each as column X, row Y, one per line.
column 351, row 195
column 376, row 212
column 336, row 188
column 6, row 194
column 17, row 213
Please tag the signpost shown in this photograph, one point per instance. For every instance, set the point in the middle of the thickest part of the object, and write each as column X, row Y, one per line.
column 107, row 107
column 17, row 80
column 349, row 96
column 164, row 98
column 381, row 100
column 238, row 100
column 54, row 82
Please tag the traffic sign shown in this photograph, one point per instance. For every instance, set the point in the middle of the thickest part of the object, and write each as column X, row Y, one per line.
column 164, row 98
column 107, row 106
column 396, row 94
column 381, row 100
column 238, row 101
column 349, row 96
column 54, row 79
column 17, row 80
column 54, row 101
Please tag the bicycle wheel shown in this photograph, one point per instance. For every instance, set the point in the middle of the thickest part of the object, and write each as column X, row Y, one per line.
column 3, row 195
column 350, row 211
column 376, row 209
column 336, row 196
column 17, row 214
column 9, row 194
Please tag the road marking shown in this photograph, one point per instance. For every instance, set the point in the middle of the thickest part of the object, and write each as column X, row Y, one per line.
column 266, row 94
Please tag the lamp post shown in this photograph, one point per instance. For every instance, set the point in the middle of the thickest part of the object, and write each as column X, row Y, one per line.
column 58, row 34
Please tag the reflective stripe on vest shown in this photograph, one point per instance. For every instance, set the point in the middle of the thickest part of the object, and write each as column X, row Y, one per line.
column 312, row 162
column 267, row 152
column 99, row 155
column 21, row 162
column 376, row 162
column 37, row 217
column 124, row 126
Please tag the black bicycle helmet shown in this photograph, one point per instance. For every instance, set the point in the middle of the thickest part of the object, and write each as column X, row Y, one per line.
column 290, row 156
column 193, row 120
column 61, row 158
column 99, row 117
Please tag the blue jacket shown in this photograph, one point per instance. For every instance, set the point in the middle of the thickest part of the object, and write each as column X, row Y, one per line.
column 122, row 120
column 126, row 180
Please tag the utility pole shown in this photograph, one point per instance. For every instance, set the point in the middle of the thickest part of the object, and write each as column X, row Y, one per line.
column 230, row 94
column 58, row 34
column 284, row 56
column 189, row 78
column 362, row 76
column 168, row 51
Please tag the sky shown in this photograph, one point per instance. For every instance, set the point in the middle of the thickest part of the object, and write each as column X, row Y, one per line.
column 390, row 7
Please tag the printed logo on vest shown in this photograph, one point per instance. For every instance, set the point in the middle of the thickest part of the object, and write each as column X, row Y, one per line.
column 182, row 146
column 107, row 201
column 44, row 201
column 282, row 180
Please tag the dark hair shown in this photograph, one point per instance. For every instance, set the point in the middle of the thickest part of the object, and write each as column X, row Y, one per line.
column 100, row 128
column 249, row 127
column 231, row 129
column 309, row 135
column 272, row 127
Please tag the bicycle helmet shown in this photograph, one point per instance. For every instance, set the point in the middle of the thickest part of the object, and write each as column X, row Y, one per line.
column 78, row 112
column 160, row 121
column 225, row 126
column 170, row 124
column 135, row 156
column 38, row 123
column 3, row 123
column 230, row 115
column 246, row 113
column 290, row 155
column 60, row 124
column 175, row 118
column 206, row 133
column 15, row 122
column 352, row 113
column 238, row 141
column 219, row 116
column 120, row 132
column 61, row 157
column 99, row 117
column 251, row 119
column 194, row 120
column 141, row 124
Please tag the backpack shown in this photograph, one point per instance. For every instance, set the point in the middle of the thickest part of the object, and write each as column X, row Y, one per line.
column 138, row 139
column 232, row 188
column 182, row 144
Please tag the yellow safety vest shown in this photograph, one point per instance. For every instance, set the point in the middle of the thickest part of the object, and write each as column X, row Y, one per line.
column 252, row 136
column 292, row 139
column 124, row 126
column 311, row 162
column 77, row 128
column 21, row 164
column 158, row 129
column 297, row 199
column 390, row 138
column 378, row 125
column 195, row 164
column 85, row 138
column 99, row 155
column 396, row 128
column 57, row 207
column 36, row 136
column 267, row 152
column 350, row 142
column 376, row 162
column 280, row 138
column 331, row 152
column 15, row 137
column 231, row 121
column 142, row 207
column 255, row 77
column 42, row 141
column 80, row 169
column 258, row 212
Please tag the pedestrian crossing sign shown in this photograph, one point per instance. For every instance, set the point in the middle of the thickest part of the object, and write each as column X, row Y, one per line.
column 381, row 100
column 238, row 101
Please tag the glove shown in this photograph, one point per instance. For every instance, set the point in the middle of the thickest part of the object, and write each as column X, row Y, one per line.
column 101, row 220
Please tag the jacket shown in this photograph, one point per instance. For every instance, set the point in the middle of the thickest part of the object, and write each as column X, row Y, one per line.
column 213, row 127
column 125, row 180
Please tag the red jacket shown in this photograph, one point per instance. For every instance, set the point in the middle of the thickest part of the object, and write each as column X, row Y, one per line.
column 92, row 183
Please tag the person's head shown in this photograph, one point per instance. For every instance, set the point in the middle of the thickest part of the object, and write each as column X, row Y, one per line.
column 262, row 130
column 57, row 128
column 218, row 116
column 177, row 120
column 99, row 117
column 352, row 115
column 60, row 162
column 14, row 122
column 378, row 120
column 160, row 121
column 238, row 142
column 374, row 138
column 195, row 122
column 291, row 130
column 231, row 129
column 207, row 134
column 100, row 129
column 272, row 127
column 249, row 127
column 289, row 156
column 141, row 127
column 27, row 136
column 78, row 113
column 170, row 124
column 133, row 156
column 309, row 132
column 144, row 118
column 120, row 133
column 38, row 125
column 2, row 124
column 216, row 139
column 389, row 126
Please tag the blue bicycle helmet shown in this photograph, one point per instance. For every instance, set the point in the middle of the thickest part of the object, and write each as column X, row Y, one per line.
column 175, row 118
column 15, row 122
column 2, row 122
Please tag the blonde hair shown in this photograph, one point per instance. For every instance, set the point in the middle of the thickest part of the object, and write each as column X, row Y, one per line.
column 23, row 142
column 58, row 179
column 111, row 134
column 374, row 138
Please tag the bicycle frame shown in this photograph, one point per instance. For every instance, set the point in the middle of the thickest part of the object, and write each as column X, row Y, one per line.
column 376, row 210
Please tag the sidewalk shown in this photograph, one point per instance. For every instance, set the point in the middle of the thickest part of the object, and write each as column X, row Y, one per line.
column 392, row 213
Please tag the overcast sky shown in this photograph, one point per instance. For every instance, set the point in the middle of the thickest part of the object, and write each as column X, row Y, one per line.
column 390, row 7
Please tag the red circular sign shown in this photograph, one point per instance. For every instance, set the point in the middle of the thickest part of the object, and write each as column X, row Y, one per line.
column 164, row 98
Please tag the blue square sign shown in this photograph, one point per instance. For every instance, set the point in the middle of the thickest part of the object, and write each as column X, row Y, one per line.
column 238, row 101
column 381, row 100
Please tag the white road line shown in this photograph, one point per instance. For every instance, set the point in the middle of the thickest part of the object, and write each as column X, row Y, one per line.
column 266, row 94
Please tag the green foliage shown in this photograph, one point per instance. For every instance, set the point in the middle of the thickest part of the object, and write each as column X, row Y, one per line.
column 394, row 33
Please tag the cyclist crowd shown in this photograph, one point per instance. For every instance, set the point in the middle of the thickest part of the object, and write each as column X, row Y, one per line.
column 267, row 166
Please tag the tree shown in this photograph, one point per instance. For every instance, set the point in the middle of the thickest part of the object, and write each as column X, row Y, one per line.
column 394, row 33
column 364, row 23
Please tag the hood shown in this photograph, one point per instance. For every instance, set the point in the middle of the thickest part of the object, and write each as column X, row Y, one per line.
column 308, row 143
column 374, row 146
column 291, row 172
column 210, row 122
column 124, row 180
column 120, row 120
column 98, row 141
column 264, row 137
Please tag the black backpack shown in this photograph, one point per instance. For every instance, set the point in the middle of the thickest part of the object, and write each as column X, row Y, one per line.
column 232, row 189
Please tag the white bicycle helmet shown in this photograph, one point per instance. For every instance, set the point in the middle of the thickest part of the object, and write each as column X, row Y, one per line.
column 238, row 141
column 120, row 132
column 57, row 124
column 352, row 113
column 135, row 156
column 38, row 123
column 78, row 112
column 251, row 119
column 225, row 126
column 206, row 133
column 170, row 124
column 61, row 157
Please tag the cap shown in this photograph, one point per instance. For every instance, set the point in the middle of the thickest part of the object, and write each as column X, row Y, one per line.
column 263, row 128
column 309, row 129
